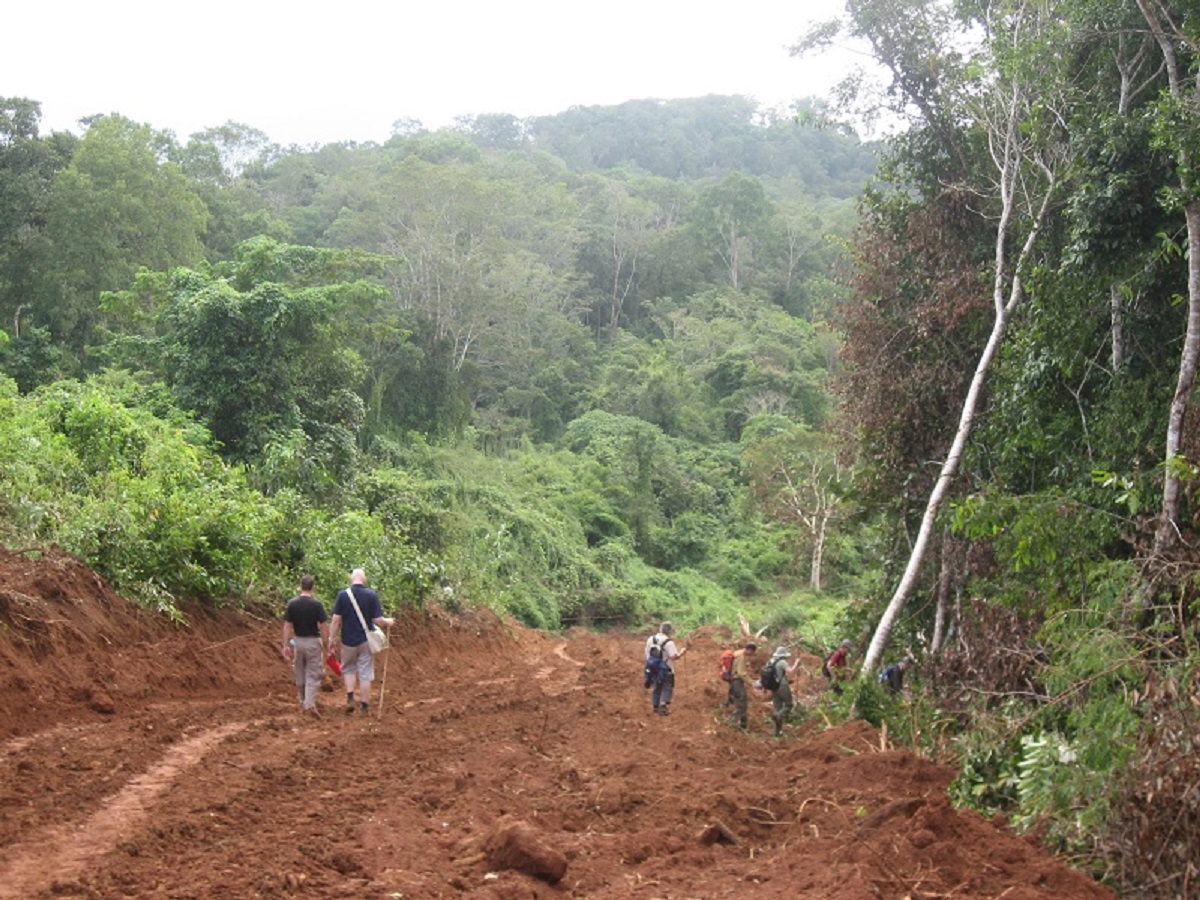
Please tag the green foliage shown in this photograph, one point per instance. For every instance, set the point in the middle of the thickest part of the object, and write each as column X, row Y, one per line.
column 1050, row 544
column 988, row 760
column 155, row 512
column 333, row 545
column 1054, row 762
column 118, row 206
column 813, row 621
column 263, row 360
column 700, row 137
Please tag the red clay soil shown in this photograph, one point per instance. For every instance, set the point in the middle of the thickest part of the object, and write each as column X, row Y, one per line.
column 142, row 760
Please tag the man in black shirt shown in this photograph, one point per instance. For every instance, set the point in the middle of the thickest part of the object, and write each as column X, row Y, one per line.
column 305, row 643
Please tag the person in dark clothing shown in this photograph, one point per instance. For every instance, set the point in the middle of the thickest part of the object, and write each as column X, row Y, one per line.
column 893, row 676
column 355, row 607
column 305, row 643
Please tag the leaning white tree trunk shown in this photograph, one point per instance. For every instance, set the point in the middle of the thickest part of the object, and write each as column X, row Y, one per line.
column 966, row 421
column 1007, row 140
column 1184, row 86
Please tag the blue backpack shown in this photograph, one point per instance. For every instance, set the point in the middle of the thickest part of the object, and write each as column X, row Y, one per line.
column 656, row 662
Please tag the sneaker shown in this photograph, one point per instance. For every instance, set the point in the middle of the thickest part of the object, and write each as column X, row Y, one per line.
column 349, row 709
column 364, row 709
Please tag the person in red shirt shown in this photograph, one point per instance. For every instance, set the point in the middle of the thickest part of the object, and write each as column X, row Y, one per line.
column 836, row 667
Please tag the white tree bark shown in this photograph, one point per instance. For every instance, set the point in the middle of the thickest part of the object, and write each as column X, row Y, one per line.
column 1185, row 89
column 1016, row 160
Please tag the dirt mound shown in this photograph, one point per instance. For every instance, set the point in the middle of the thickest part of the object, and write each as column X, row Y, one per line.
column 144, row 760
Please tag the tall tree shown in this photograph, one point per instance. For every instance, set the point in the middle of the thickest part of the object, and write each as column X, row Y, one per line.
column 1174, row 29
column 120, row 204
column 28, row 164
column 797, row 480
column 732, row 216
column 1014, row 109
column 261, row 353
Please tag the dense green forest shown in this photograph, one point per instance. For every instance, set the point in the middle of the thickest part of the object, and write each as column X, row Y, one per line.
column 681, row 358
column 560, row 389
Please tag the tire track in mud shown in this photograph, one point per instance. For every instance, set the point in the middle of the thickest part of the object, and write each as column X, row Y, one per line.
column 26, row 868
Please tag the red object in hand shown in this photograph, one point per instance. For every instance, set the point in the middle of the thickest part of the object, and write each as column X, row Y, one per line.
column 334, row 663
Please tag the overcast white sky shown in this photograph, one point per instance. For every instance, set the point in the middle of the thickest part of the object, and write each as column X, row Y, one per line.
column 345, row 71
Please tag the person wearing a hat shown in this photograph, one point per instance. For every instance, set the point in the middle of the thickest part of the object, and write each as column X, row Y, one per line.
column 781, row 698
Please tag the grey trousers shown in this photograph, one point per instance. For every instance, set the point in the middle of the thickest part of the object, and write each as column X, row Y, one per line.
column 664, row 691
column 308, row 663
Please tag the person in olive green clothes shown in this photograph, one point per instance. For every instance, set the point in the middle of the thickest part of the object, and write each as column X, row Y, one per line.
column 741, row 675
column 782, row 701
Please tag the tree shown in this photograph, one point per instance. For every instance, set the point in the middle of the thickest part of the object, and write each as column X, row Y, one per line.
column 28, row 164
column 796, row 479
column 732, row 215
column 1173, row 29
column 119, row 205
column 1015, row 108
column 619, row 230
column 260, row 358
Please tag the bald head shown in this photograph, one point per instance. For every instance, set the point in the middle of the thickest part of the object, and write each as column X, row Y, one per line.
column 358, row 576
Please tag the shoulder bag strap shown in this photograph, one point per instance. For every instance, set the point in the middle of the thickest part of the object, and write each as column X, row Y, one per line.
column 354, row 601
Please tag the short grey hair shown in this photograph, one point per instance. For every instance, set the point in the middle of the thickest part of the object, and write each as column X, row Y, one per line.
column 666, row 628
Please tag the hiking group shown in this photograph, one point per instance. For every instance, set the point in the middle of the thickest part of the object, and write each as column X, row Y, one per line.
column 309, row 638
column 740, row 670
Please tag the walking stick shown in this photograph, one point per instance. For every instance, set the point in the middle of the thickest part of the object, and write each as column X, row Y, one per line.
column 383, row 683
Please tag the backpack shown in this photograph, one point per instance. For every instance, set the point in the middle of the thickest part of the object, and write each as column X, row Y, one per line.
column 769, row 677
column 656, row 665
column 727, row 665
column 655, row 669
column 656, row 648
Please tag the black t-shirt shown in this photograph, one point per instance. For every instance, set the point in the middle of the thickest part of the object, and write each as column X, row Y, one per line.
column 306, row 614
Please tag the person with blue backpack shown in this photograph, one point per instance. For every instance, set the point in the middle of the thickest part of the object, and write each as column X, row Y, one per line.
column 661, row 653
column 892, row 677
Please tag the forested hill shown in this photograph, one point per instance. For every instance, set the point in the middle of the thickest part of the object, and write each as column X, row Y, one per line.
column 694, row 139
column 591, row 337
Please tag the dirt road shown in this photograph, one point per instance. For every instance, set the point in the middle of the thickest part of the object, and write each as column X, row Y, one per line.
column 140, row 761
